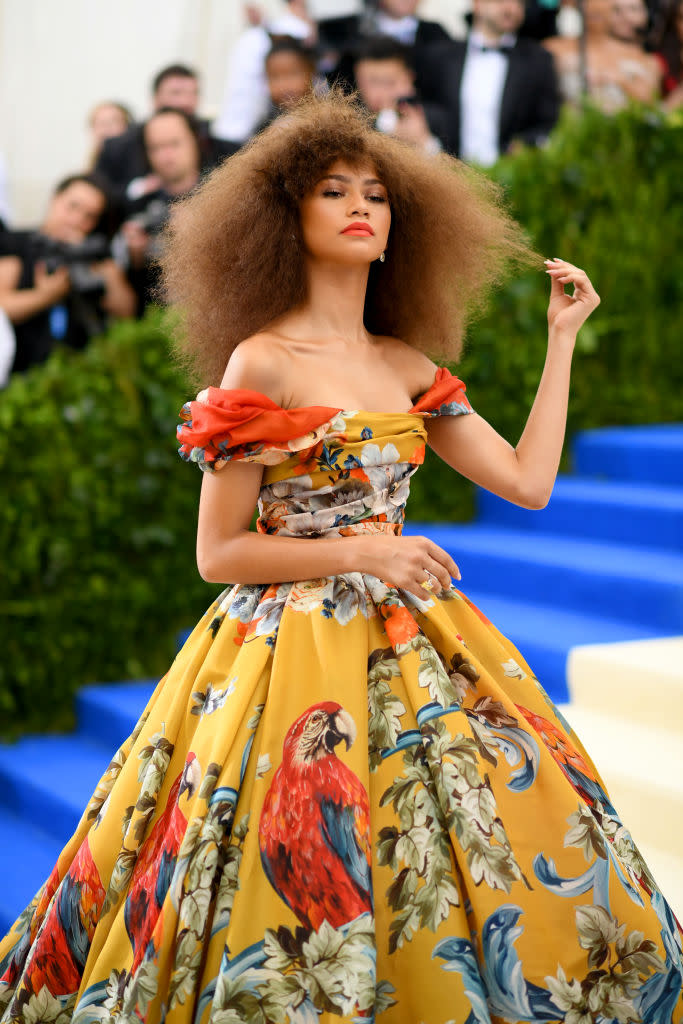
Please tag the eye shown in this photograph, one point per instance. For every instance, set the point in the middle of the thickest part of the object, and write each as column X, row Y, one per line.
column 331, row 192
column 378, row 199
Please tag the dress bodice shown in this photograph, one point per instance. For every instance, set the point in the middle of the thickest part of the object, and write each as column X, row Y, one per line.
column 327, row 471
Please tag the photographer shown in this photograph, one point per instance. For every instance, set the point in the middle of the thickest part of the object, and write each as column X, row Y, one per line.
column 385, row 79
column 173, row 151
column 59, row 282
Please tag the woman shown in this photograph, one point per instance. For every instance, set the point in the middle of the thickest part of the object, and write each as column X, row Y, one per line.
column 458, row 859
column 668, row 46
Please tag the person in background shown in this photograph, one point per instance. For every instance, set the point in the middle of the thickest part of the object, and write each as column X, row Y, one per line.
column 500, row 89
column 628, row 21
column 106, row 121
column 246, row 98
column 173, row 151
column 290, row 74
column 394, row 18
column 59, row 282
column 668, row 46
column 385, row 78
column 616, row 71
column 123, row 160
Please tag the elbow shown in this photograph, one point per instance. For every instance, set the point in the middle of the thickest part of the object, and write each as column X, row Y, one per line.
column 532, row 496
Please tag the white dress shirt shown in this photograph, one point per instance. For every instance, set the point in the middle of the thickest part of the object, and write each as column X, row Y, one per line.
column 481, row 94
column 403, row 30
column 245, row 98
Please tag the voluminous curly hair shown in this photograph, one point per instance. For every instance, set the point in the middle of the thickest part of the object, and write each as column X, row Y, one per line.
column 233, row 258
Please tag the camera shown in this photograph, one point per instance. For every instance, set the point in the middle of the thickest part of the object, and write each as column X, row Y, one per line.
column 153, row 218
column 77, row 258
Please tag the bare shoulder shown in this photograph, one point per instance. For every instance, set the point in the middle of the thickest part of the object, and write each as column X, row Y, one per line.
column 414, row 368
column 255, row 366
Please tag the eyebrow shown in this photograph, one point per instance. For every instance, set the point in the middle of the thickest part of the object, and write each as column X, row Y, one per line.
column 347, row 180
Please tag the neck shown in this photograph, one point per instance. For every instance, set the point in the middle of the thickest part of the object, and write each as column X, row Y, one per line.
column 335, row 302
column 487, row 32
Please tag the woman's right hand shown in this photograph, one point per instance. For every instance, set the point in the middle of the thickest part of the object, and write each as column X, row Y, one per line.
column 404, row 562
column 51, row 287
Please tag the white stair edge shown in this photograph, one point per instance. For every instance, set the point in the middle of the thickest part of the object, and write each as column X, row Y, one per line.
column 643, row 771
column 637, row 680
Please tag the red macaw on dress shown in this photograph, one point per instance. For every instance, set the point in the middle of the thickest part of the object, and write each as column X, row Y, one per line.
column 156, row 862
column 61, row 950
column 572, row 763
column 314, row 832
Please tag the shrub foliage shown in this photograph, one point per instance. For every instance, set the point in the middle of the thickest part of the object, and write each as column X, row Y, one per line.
column 99, row 513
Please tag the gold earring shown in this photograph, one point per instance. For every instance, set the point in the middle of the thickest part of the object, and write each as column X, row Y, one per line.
column 382, row 256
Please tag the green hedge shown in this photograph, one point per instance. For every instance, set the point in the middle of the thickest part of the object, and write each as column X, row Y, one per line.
column 99, row 513
column 98, row 524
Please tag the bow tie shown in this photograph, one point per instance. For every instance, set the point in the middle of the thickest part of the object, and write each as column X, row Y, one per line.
column 504, row 48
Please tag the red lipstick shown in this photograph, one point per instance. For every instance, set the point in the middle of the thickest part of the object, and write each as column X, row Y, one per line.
column 358, row 228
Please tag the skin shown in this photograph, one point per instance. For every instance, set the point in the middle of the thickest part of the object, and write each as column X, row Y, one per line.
column 71, row 216
column 399, row 8
column 493, row 18
column 107, row 121
column 321, row 354
column 179, row 91
column 174, row 158
column 289, row 78
column 628, row 21
column 609, row 60
column 381, row 84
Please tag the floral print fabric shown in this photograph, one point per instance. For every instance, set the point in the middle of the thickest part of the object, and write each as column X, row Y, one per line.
column 343, row 802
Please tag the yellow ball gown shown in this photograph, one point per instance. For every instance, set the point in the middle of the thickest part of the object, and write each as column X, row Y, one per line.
column 344, row 802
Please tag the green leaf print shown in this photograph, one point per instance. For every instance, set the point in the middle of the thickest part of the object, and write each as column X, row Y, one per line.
column 330, row 969
column 441, row 788
column 585, row 834
column 431, row 673
column 46, row 1008
column 620, row 964
column 384, row 707
column 105, row 785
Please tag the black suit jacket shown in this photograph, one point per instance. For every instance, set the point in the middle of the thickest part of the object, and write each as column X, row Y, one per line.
column 123, row 158
column 531, row 100
column 342, row 33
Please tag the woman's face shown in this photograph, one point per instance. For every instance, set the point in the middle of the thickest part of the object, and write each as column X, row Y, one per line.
column 346, row 216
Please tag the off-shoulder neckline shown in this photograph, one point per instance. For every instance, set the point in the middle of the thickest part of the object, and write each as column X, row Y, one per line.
column 337, row 410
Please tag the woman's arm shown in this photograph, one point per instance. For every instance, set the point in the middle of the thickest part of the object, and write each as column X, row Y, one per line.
column 119, row 298
column 22, row 303
column 228, row 552
column 525, row 475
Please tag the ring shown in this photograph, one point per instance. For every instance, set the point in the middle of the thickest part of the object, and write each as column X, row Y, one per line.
column 430, row 581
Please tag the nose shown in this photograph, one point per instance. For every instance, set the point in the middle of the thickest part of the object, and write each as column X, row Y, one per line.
column 358, row 205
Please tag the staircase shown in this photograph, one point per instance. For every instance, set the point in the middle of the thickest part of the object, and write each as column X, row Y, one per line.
column 591, row 584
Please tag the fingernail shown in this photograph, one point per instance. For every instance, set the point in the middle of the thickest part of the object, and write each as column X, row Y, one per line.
column 547, row 261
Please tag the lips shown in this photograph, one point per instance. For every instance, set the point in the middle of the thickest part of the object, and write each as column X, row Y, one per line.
column 359, row 228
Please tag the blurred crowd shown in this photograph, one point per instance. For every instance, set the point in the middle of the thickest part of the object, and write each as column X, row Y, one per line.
column 501, row 87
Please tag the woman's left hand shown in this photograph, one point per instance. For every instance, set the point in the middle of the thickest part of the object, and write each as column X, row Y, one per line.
column 566, row 313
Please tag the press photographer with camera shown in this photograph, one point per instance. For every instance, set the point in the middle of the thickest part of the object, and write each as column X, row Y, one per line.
column 59, row 283
column 173, row 151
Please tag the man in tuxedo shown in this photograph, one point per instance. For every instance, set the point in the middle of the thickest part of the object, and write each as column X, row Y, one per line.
column 394, row 18
column 123, row 159
column 500, row 89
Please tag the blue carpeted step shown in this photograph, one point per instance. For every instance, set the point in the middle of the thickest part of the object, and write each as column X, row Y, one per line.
column 613, row 581
column 48, row 780
column 544, row 635
column 108, row 712
column 629, row 513
column 651, row 454
column 27, row 857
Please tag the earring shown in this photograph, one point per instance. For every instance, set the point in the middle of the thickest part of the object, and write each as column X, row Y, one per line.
column 382, row 256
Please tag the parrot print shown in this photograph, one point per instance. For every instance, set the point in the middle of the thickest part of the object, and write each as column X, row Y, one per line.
column 314, row 831
column 344, row 802
column 155, row 865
